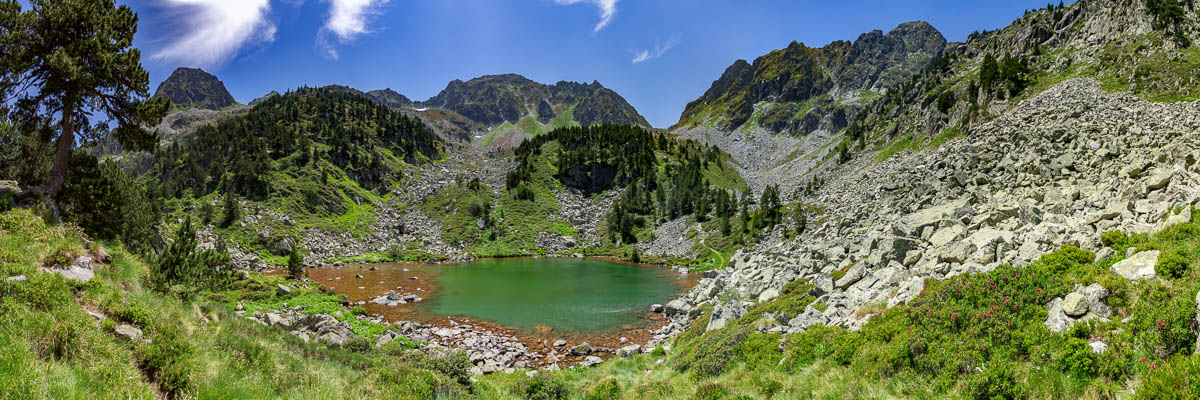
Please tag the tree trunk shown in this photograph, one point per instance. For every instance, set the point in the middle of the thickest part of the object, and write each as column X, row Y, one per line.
column 63, row 148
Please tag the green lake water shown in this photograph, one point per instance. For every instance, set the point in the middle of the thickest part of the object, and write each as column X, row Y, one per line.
column 565, row 294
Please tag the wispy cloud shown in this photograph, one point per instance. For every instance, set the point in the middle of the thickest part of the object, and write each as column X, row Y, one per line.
column 658, row 51
column 215, row 30
column 608, row 9
column 347, row 20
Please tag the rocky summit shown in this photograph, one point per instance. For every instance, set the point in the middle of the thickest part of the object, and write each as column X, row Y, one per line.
column 194, row 88
column 1010, row 214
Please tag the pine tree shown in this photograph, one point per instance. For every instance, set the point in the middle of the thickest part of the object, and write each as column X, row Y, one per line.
column 77, row 58
column 295, row 265
column 232, row 210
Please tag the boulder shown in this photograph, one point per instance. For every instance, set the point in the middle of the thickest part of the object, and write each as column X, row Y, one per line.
column 767, row 295
column 1139, row 266
column 1075, row 305
column 725, row 313
column 629, row 351
column 656, row 308
column 560, row 343
column 1056, row 320
column 282, row 290
column 591, row 361
column 675, row 307
column 282, row 246
column 822, row 284
column 1098, row 347
column 129, row 332
column 18, row 278
column 582, row 349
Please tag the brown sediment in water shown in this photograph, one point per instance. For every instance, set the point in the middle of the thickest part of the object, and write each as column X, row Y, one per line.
column 378, row 279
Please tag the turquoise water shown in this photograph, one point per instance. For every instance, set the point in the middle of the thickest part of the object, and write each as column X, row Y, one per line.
column 565, row 294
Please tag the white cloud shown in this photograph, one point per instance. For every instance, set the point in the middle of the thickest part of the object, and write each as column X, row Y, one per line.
column 215, row 30
column 659, row 49
column 608, row 9
column 347, row 20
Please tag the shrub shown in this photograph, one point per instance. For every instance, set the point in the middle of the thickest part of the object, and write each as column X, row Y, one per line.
column 136, row 313
column 1116, row 240
column 1162, row 323
column 1172, row 265
column 1066, row 259
column 761, row 351
column 1179, row 378
column 714, row 352
column 1076, row 358
column 357, row 344
column 607, row 389
column 711, row 391
column 658, row 352
column 997, row 381
column 168, row 357
column 405, row 382
column 814, row 344
column 452, row 363
column 542, row 387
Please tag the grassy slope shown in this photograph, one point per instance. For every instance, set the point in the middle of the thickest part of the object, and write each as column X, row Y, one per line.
column 52, row 349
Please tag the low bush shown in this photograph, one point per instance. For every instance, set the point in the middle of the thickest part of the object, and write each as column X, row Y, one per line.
column 608, row 389
column 169, row 358
column 1076, row 358
column 1172, row 265
column 997, row 381
column 711, row 391
column 1179, row 378
column 542, row 387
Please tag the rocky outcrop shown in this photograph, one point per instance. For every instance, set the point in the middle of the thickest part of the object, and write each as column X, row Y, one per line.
column 494, row 99
column 797, row 74
column 1139, row 266
column 1083, row 304
column 194, row 88
column 1061, row 168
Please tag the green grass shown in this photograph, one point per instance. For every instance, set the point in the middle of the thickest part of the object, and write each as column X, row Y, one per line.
column 198, row 348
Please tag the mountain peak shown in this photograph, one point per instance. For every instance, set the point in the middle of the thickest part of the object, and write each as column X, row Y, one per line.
column 195, row 88
column 495, row 99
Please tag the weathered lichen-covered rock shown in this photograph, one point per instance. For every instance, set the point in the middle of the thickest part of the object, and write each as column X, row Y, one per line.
column 1075, row 305
column 1139, row 266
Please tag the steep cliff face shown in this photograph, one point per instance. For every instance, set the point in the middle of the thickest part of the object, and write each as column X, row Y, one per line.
column 789, row 82
column 495, row 99
column 194, row 88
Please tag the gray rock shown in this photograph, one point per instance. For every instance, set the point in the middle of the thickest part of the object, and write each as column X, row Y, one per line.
column 1139, row 266
column 18, row 278
column 282, row 246
column 591, row 361
column 129, row 332
column 582, row 349
column 1098, row 347
column 822, row 284
column 767, row 295
column 1075, row 305
column 1095, row 295
column 243, row 275
column 629, row 351
column 675, row 307
column 283, row 290
column 1056, row 320
column 725, row 313
column 656, row 308
column 560, row 343
column 856, row 273
column 272, row 319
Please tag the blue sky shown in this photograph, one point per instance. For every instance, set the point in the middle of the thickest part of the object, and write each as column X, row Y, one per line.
column 416, row 46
